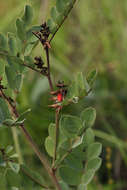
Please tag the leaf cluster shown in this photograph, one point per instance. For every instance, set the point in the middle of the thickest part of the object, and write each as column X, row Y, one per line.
column 59, row 13
column 7, row 159
column 77, row 152
column 15, row 50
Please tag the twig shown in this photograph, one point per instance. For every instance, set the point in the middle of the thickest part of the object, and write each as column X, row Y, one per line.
column 41, row 157
column 33, row 179
column 14, row 131
column 56, row 135
column 62, row 158
column 33, row 145
column 31, row 68
column 61, row 22
column 10, row 103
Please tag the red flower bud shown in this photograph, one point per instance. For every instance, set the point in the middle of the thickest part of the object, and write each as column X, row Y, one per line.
column 59, row 97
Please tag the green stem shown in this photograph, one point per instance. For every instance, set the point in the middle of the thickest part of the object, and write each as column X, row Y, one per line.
column 56, row 135
column 17, row 146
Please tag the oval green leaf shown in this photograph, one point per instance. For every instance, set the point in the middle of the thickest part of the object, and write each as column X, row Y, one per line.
column 4, row 112
column 88, row 176
column 89, row 137
column 69, row 175
column 49, row 146
column 70, row 125
column 88, row 116
column 94, row 150
column 28, row 15
column 12, row 43
column 94, row 164
column 20, row 29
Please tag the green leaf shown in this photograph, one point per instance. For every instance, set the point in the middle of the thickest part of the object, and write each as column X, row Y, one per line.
column 89, row 137
column 94, row 164
column 3, row 54
column 14, row 166
column 29, row 47
column 88, row 117
column 28, row 15
column 60, row 6
column 34, row 29
column 64, row 145
column 23, row 115
column 8, row 149
column 20, row 29
column 54, row 13
column 73, row 162
column 69, row 175
column 18, row 82
column 51, row 130
column 14, row 156
column 30, row 37
column 9, row 92
column 52, row 26
column 29, row 61
column 79, row 153
column 11, row 75
column 14, row 79
column 49, row 146
column 91, row 77
column 94, row 150
column 4, row 112
column 3, row 42
column 78, row 88
column 80, row 82
column 88, row 176
column 56, row 16
column 70, row 125
column 77, row 142
column 12, row 123
column 72, row 91
column 67, row 1
column 12, row 43
column 16, row 64
column 8, row 122
column 18, row 123
column 49, row 142
column 2, row 67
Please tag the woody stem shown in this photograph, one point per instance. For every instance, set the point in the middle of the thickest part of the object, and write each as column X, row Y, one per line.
column 33, row 145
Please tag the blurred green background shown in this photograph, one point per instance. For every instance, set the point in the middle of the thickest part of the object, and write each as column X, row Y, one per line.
column 94, row 36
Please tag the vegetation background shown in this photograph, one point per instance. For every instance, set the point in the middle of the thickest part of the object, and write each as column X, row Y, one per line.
column 94, row 36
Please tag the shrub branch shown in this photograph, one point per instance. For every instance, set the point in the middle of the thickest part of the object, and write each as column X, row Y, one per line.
column 33, row 145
